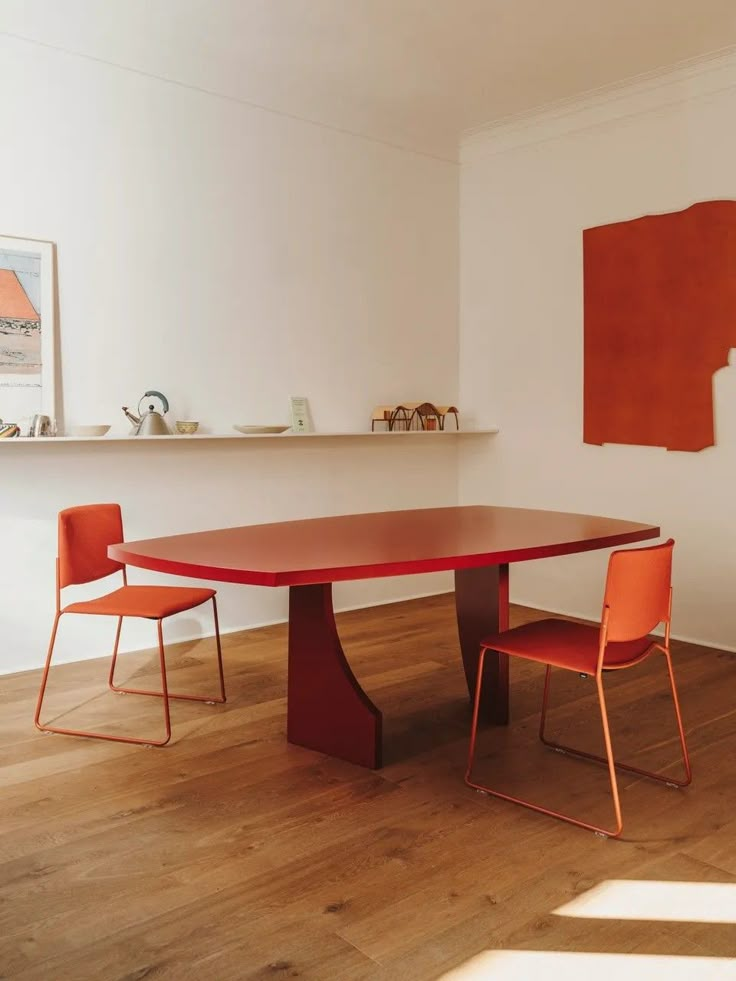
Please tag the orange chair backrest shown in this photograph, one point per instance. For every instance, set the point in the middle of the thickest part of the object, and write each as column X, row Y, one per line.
column 84, row 534
column 638, row 590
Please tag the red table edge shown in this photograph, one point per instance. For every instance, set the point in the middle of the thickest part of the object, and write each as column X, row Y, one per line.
column 123, row 552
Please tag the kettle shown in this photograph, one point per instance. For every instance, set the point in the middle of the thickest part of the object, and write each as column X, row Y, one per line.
column 150, row 423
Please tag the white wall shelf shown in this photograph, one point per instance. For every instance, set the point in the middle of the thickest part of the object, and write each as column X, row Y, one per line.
column 300, row 437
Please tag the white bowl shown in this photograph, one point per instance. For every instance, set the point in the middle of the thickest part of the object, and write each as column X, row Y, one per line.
column 88, row 430
column 251, row 430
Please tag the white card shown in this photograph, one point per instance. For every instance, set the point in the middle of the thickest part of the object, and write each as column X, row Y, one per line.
column 300, row 421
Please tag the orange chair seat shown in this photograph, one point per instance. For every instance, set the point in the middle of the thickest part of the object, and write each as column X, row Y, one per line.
column 151, row 602
column 574, row 646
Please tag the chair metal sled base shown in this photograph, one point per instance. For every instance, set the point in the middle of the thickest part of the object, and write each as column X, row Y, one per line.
column 164, row 694
column 607, row 760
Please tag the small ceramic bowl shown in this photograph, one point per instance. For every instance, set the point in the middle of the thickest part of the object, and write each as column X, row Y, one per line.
column 187, row 427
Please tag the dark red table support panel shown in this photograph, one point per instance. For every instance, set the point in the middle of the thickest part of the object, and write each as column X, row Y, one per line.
column 482, row 607
column 328, row 711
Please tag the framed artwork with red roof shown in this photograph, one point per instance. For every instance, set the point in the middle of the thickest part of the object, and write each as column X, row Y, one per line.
column 27, row 330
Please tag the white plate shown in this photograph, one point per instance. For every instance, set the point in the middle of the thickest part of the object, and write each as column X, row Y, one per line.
column 88, row 430
column 249, row 430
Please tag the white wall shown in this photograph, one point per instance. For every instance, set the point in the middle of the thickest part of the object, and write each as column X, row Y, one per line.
column 527, row 192
column 229, row 257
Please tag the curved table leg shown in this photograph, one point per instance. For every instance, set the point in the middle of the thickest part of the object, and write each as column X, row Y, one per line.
column 482, row 606
column 327, row 709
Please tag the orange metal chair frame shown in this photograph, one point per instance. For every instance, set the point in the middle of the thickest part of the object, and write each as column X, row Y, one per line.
column 164, row 694
column 607, row 760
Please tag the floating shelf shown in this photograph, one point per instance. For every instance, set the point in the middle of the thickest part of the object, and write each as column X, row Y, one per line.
column 299, row 437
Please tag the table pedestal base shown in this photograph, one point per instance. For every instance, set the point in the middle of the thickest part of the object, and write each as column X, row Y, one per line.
column 328, row 711
column 482, row 605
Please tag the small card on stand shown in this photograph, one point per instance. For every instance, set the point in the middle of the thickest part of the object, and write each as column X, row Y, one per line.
column 300, row 419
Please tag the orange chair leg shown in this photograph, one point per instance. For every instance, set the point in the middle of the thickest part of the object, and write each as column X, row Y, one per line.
column 223, row 697
column 111, row 675
column 45, row 675
column 611, row 763
column 102, row 735
column 164, row 684
column 209, row 699
column 581, row 754
column 606, row 832
column 680, row 727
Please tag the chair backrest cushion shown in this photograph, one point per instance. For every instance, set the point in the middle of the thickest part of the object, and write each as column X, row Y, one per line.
column 84, row 534
column 638, row 590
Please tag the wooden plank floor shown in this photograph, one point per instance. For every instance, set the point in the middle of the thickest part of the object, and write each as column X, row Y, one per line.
column 232, row 855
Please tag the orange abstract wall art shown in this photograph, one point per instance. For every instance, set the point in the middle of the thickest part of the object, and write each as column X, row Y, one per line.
column 660, row 319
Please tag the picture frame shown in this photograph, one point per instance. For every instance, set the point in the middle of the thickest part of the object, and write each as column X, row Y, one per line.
column 28, row 330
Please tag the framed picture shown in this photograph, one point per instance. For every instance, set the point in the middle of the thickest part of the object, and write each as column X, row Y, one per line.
column 27, row 330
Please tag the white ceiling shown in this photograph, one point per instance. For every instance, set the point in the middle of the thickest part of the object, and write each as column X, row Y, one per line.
column 414, row 73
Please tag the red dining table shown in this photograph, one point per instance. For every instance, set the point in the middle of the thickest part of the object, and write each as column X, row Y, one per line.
column 327, row 710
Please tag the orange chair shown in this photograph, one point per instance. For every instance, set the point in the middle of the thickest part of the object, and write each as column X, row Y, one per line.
column 84, row 535
column 637, row 598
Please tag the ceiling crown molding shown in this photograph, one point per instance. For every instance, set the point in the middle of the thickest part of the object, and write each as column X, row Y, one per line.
column 654, row 90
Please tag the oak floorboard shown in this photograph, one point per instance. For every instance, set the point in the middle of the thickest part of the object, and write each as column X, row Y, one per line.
column 232, row 855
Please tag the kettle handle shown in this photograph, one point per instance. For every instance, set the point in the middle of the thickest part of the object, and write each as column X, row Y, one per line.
column 159, row 395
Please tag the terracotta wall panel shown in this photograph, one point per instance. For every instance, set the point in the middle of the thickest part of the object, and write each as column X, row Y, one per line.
column 660, row 318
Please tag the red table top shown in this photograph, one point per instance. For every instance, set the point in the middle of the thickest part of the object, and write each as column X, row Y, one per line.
column 367, row 546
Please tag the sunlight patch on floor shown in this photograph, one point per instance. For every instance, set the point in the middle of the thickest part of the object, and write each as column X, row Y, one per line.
column 524, row 965
column 635, row 899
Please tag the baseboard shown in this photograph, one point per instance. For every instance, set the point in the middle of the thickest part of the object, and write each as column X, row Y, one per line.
column 365, row 606
column 223, row 631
